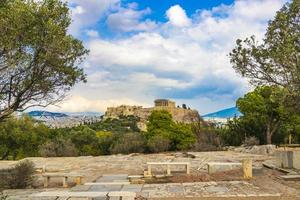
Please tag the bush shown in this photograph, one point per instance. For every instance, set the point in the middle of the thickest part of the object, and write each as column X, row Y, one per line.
column 161, row 124
column 58, row 148
column 251, row 141
column 85, row 140
column 129, row 143
column 158, row 144
column 2, row 196
column 207, row 138
column 105, row 140
column 18, row 177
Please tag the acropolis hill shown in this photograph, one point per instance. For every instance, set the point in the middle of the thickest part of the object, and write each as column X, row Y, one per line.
column 178, row 114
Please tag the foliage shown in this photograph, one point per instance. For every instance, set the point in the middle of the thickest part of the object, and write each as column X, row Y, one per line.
column 183, row 137
column 265, row 117
column 58, row 148
column 20, row 137
column 158, row 144
column 2, row 196
column 105, row 141
column 39, row 60
column 266, row 105
column 85, row 141
column 129, row 143
column 18, row 177
column 207, row 137
column 124, row 124
column 276, row 61
column 24, row 137
column 161, row 124
column 231, row 134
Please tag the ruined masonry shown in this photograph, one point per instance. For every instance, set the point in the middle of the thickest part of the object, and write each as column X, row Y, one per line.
column 178, row 114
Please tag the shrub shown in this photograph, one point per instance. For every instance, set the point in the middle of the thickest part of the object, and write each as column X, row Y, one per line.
column 2, row 196
column 207, row 138
column 105, row 140
column 251, row 141
column 58, row 148
column 18, row 177
column 182, row 137
column 129, row 143
column 158, row 144
column 85, row 140
column 161, row 124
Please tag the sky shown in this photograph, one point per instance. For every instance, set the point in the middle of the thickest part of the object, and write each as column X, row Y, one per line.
column 141, row 50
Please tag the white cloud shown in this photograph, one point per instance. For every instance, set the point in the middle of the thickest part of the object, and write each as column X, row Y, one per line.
column 184, row 58
column 78, row 10
column 177, row 16
column 129, row 19
column 152, row 80
column 81, row 104
column 92, row 33
column 86, row 13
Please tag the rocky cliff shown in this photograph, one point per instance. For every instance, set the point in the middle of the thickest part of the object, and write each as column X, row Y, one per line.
column 178, row 114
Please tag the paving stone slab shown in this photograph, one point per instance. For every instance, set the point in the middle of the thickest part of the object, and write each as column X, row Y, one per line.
column 116, row 175
column 107, row 183
column 100, row 198
column 176, row 189
column 80, row 188
column 132, row 188
column 105, row 188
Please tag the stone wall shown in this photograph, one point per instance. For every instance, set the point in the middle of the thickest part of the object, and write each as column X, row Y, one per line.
column 123, row 110
column 164, row 103
column 289, row 158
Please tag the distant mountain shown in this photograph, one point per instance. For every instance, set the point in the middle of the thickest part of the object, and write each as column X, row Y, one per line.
column 97, row 114
column 226, row 113
column 38, row 113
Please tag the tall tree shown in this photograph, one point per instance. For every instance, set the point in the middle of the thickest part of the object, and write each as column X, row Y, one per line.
column 161, row 124
column 276, row 61
column 264, row 105
column 39, row 60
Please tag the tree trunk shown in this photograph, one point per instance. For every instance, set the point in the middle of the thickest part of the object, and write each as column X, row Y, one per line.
column 5, row 156
column 269, row 135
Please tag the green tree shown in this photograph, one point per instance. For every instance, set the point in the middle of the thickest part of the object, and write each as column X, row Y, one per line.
column 161, row 124
column 238, row 129
column 105, row 141
column 20, row 138
column 276, row 60
column 123, row 124
column 128, row 143
column 266, row 105
column 85, row 140
column 39, row 60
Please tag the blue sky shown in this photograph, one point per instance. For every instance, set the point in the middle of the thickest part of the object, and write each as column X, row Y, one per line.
column 159, row 7
column 141, row 50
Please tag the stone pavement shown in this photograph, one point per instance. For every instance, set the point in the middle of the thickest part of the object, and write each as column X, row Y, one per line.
column 168, row 190
column 184, row 190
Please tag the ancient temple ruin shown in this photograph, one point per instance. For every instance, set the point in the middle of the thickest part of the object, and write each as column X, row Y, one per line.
column 179, row 114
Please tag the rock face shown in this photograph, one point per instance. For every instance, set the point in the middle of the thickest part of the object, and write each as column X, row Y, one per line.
column 178, row 114
column 261, row 149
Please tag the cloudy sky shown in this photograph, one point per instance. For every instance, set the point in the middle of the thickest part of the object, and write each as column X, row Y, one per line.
column 141, row 50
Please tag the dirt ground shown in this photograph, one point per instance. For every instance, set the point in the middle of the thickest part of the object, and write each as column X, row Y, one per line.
column 135, row 164
column 235, row 198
